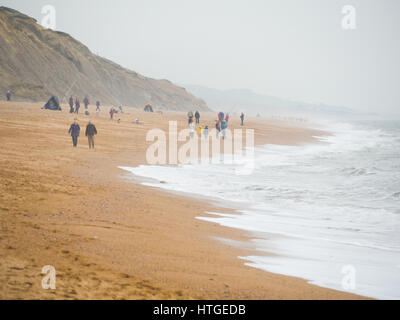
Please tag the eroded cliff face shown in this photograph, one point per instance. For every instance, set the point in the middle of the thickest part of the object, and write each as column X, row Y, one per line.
column 36, row 63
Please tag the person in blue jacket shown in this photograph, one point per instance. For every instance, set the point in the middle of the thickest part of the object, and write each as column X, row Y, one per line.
column 86, row 102
column 75, row 131
column 77, row 105
column 217, row 128
column 224, row 125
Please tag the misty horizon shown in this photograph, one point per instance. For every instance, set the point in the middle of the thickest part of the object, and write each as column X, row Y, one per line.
column 294, row 51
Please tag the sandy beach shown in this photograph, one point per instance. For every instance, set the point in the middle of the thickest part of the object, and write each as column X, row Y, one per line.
column 110, row 237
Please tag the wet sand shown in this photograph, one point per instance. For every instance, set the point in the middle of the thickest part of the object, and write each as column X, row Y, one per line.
column 109, row 237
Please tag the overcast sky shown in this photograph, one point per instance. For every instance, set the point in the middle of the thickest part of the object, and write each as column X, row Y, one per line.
column 294, row 49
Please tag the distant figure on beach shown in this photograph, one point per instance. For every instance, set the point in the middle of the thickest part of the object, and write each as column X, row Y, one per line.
column 148, row 108
column 97, row 105
column 86, row 102
column 218, row 127
column 197, row 116
column 120, row 109
column 77, row 105
column 71, row 104
column 8, row 95
column 200, row 131
column 191, row 128
column 224, row 126
column 75, row 131
column 190, row 117
column 90, row 133
column 205, row 132
column 112, row 111
column 242, row 119
column 227, row 118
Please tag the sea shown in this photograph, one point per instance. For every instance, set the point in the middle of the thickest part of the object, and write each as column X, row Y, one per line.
column 327, row 212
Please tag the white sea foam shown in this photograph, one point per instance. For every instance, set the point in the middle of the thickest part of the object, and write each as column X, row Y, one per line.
column 328, row 205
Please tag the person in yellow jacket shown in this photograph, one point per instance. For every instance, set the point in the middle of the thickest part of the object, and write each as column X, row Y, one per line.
column 199, row 131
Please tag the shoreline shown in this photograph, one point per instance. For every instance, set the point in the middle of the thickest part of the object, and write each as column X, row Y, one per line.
column 114, row 239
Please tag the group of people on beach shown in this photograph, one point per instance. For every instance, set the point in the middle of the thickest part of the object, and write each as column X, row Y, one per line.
column 75, row 131
column 115, row 111
column 221, row 124
column 91, row 131
column 75, row 105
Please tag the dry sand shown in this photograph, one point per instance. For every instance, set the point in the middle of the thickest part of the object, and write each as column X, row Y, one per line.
column 110, row 238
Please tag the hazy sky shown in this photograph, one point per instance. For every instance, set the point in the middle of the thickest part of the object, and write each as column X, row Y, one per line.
column 295, row 49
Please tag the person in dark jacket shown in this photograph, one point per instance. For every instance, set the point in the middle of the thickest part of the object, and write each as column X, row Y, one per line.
column 217, row 128
column 197, row 116
column 90, row 133
column 190, row 117
column 242, row 119
column 77, row 105
column 75, row 131
column 8, row 95
column 97, row 105
column 86, row 102
column 71, row 105
column 224, row 126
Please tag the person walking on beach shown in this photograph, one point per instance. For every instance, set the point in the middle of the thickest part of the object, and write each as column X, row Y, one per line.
column 97, row 105
column 190, row 117
column 86, row 102
column 227, row 118
column 75, row 131
column 197, row 116
column 217, row 127
column 200, row 131
column 205, row 132
column 71, row 104
column 224, row 126
column 77, row 105
column 242, row 119
column 90, row 133
column 112, row 113
column 8, row 95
